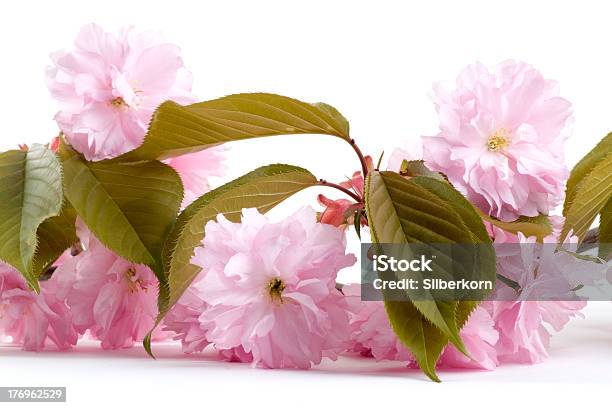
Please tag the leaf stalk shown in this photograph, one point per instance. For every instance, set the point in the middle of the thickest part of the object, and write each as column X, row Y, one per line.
column 362, row 160
column 345, row 190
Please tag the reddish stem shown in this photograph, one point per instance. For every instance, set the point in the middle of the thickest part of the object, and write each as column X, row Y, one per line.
column 364, row 166
column 339, row 187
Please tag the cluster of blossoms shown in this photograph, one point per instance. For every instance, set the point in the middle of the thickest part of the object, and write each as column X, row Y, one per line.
column 501, row 144
column 498, row 331
column 107, row 87
column 267, row 291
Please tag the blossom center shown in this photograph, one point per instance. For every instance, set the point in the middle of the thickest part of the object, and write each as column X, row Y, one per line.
column 275, row 289
column 498, row 140
column 118, row 102
column 134, row 284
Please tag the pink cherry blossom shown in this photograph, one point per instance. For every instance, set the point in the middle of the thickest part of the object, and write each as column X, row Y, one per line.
column 479, row 337
column 547, row 299
column 372, row 335
column 109, row 85
column 501, row 139
column 356, row 182
column 410, row 150
column 525, row 327
column 184, row 320
column 271, row 289
column 371, row 332
column 30, row 319
column 195, row 169
column 337, row 212
column 114, row 299
column 340, row 212
column 542, row 271
column 236, row 355
column 522, row 336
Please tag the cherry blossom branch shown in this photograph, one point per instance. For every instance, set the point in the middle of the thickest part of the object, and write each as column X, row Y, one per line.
column 354, row 196
column 362, row 160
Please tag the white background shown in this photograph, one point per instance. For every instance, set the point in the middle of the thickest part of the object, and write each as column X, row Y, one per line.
column 374, row 61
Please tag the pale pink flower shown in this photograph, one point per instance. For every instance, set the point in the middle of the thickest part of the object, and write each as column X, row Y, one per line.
column 109, row 85
column 372, row 335
column 371, row 332
column 522, row 336
column 410, row 150
column 195, row 169
column 500, row 236
column 30, row 319
column 543, row 272
column 479, row 337
column 547, row 299
column 501, row 139
column 114, row 299
column 184, row 320
column 271, row 289
column 525, row 327
column 237, row 355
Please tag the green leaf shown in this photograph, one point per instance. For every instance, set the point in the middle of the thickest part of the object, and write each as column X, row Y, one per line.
column 584, row 167
column 414, row 168
column 425, row 210
column 582, row 257
column 30, row 193
column 530, row 226
column 416, row 211
column 130, row 207
column 580, row 174
column 263, row 188
column 464, row 209
column 341, row 121
column 539, row 226
column 55, row 235
column 471, row 218
column 605, row 232
column 423, row 339
column 405, row 211
column 175, row 130
column 588, row 199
